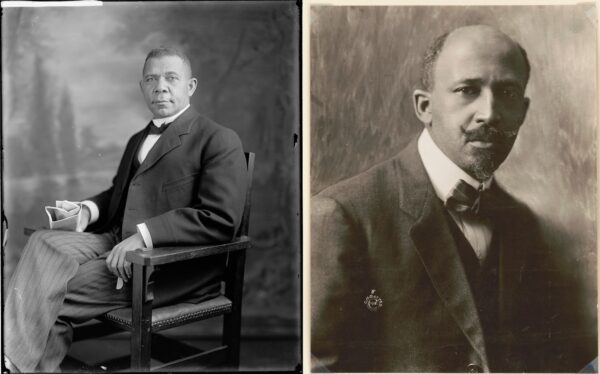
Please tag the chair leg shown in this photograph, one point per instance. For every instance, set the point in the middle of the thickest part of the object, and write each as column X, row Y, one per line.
column 232, row 323
column 231, row 338
column 141, row 317
column 140, row 350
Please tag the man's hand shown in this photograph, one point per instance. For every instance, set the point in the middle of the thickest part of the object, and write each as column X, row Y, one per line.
column 116, row 259
column 84, row 219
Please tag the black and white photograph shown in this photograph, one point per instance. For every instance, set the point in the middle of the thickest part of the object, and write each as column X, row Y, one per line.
column 453, row 188
column 151, row 186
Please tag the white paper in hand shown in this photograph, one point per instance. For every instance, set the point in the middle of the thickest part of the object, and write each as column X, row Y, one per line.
column 64, row 216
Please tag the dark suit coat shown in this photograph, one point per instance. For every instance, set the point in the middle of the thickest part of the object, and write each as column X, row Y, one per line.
column 190, row 190
column 385, row 230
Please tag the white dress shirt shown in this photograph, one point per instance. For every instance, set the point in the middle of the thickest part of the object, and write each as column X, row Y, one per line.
column 444, row 174
column 145, row 148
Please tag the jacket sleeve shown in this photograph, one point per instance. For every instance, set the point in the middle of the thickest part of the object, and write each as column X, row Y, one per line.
column 102, row 201
column 219, row 198
column 334, row 236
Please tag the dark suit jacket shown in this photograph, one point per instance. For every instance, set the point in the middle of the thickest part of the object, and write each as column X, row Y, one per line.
column 385, row 230
column 190, row 190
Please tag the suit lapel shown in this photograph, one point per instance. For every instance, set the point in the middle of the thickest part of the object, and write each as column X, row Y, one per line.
column 122, row 177
column 436, row 247
column 127, row 162
column 168, row 141
column 512, row 252
column 440, row 257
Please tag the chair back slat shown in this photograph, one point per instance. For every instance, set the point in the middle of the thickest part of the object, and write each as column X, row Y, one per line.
column 243, row 230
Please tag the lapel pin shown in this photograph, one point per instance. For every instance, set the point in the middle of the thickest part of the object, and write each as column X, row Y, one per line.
column 373, row 302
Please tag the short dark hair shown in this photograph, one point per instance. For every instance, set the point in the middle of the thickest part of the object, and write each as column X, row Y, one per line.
column 435, row 48
column 169, row 51
column 429, row 59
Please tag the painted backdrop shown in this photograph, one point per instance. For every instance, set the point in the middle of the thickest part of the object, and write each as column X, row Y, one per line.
column 71, row 100
column 365, row 63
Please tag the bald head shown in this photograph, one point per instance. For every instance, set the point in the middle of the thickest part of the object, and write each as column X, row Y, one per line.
column 486, row 40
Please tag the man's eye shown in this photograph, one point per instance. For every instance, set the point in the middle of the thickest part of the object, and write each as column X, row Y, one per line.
column 511, row 93
column 467, row 90
column 149, row 79
column 172, row 78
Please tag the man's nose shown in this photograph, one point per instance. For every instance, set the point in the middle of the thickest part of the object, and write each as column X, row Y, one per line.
column 161, row 85
column 488, row 111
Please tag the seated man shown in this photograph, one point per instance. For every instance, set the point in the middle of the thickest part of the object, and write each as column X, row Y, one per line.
column 181, row 181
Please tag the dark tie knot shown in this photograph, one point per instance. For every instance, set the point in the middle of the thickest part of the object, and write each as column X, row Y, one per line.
column 157, row 130
column 464, row 198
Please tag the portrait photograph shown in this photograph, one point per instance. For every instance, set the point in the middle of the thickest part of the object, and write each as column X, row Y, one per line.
column 151, row 186
column 453, row 188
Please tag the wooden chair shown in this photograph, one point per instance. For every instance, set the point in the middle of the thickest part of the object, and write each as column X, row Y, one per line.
column 144, row 322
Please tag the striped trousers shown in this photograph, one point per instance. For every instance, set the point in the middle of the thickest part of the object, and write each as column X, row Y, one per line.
column 61, row 279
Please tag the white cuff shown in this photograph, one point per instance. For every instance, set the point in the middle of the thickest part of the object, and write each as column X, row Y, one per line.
column 95, row 213
column 143, row 230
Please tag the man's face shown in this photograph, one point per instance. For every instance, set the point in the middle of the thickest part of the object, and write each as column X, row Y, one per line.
column 167, row 85
column 477, row 104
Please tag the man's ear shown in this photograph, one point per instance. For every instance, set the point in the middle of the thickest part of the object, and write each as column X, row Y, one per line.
column 422, row 106
column 192, row 84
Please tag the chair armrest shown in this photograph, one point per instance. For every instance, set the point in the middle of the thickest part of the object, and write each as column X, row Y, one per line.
column 167, row 255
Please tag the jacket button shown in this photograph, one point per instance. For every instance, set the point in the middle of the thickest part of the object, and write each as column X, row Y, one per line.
column 474, row 368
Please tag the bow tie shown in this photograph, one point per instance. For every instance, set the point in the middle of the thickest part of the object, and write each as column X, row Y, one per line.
column 153, row 129
column 464, row 198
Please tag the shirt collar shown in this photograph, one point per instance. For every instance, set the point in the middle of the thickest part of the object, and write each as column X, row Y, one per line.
column 158, row 122
column 443, row 173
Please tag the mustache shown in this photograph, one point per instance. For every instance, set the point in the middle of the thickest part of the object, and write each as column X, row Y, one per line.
column 491, row 134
